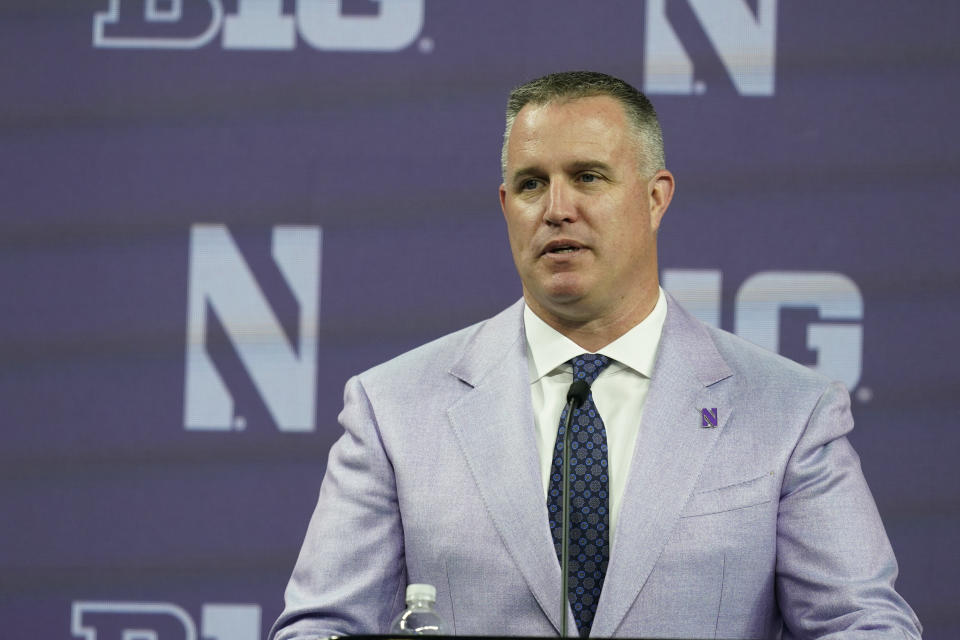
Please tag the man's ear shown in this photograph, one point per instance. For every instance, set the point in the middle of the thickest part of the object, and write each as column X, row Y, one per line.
column 503, row 197
column 660, row 191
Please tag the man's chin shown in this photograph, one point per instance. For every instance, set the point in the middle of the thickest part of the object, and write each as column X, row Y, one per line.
column 562, row 301
column 565, row 287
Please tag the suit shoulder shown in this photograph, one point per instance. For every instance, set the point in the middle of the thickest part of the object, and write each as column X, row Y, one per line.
column 433, row 356
column 434, row 360
column 761, row 367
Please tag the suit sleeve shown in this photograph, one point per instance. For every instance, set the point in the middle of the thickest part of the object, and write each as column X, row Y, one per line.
column 835, row 567
column 350, row 576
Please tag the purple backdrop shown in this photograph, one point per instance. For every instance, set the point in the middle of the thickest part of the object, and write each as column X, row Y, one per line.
column 154, row 154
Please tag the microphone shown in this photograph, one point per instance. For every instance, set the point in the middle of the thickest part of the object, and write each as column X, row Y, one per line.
column 576, row 396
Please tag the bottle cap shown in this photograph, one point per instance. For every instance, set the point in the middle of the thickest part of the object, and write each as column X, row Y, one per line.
column 421, row 592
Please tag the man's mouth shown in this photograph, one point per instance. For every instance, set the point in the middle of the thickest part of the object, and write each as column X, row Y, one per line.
column 562, row 247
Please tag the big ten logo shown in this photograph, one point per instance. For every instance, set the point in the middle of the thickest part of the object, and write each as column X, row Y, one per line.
column 829, row 304
column 334, row 25
column 223, row 289
column 163, row 621
column 744, row 41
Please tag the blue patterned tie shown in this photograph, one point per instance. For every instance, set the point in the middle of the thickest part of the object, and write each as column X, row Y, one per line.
column 589, row 512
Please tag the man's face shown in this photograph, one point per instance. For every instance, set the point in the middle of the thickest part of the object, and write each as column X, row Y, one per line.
column 581, row 215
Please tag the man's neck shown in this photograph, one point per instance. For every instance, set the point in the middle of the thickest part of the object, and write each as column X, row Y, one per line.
column 596, row 332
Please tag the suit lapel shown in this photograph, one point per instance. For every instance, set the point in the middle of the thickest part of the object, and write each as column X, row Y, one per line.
column 494, row 427
column 670, row 451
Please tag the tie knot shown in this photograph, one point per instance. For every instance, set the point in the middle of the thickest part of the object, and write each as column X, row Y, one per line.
column 588, row 366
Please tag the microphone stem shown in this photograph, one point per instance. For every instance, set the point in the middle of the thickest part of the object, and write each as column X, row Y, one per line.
column 565, row 538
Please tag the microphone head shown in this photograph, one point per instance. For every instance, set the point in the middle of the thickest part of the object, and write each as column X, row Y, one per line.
column 578, row 392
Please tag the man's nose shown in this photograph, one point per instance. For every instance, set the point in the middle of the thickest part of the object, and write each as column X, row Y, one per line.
column 561, row 204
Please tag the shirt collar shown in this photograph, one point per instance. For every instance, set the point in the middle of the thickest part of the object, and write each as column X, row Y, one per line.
column 548, row 349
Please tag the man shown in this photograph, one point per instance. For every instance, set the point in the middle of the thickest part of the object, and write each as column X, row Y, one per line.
column 760, row 526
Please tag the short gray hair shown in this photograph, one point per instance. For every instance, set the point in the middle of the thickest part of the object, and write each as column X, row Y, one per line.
column 570, row 85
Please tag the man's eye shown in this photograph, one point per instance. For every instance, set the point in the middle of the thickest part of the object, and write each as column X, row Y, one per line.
column 588, row 177
column 528, row 185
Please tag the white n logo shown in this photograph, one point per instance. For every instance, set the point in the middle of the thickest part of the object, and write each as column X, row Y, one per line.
column 745, row 45
column 222, row 281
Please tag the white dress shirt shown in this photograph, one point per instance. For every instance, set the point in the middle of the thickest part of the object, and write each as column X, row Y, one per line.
column 619, row 391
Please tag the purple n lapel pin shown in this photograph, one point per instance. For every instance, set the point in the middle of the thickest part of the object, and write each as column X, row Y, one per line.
column 708, row 417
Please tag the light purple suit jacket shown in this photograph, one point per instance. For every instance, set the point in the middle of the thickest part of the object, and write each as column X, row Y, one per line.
column 760, row 527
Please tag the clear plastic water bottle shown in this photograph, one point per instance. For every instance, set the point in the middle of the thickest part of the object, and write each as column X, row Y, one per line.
column 419, row 618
